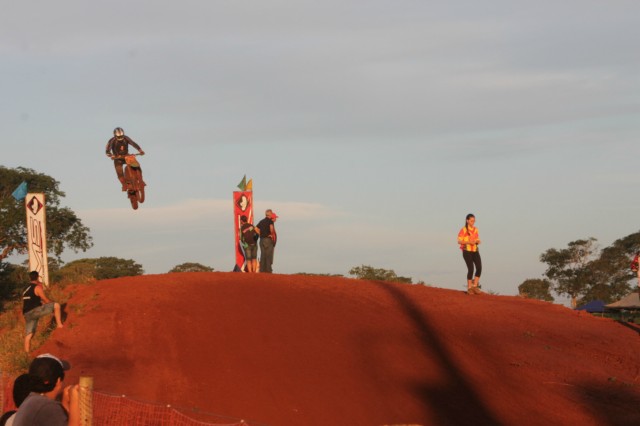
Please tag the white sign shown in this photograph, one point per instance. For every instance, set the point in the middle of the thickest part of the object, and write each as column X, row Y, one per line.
column 37, row 236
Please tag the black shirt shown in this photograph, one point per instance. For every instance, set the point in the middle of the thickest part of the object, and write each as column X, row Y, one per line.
column 117, row 146
column 265, row 227
column 249, row 235
column 30, row 300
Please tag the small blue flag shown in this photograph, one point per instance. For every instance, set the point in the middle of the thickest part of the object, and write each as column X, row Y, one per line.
column 21, row 192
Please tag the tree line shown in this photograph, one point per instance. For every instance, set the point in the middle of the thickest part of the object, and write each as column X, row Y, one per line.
column 584, row 272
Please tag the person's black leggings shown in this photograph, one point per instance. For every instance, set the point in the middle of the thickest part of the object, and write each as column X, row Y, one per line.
column 472, row 258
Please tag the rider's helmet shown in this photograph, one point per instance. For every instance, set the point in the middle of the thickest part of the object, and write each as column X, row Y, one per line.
column 118, row 132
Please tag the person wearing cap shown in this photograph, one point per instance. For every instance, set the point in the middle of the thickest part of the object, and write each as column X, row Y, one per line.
column 268, row 237
column 41, row 407
column 249, row 237
column 33, row 308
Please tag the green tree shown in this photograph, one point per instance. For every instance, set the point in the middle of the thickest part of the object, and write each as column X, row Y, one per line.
column 366, row 272
column 12, row 279
column 79, row 271
column 191, row 267
column 101, row 268
column 536, row 289
column 114, row 267
column 567, row 268
column 584, row 273
column 53, row 269
column 64, row 228
column 609, row 275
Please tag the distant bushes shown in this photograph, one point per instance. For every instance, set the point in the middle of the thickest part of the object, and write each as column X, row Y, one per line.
column 191, row 267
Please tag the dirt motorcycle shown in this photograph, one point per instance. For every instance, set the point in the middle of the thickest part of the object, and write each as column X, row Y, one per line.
column 132, row 178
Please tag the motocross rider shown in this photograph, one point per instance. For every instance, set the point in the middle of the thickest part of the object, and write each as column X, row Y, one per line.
column 119, row 145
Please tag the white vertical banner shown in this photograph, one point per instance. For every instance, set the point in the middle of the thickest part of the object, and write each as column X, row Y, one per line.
column 37, row 236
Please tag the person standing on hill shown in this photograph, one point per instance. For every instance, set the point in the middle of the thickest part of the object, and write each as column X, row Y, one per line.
column 635, row 267
column 268, row 237
column 469, row 239
column 249, row 236
column 33, row 308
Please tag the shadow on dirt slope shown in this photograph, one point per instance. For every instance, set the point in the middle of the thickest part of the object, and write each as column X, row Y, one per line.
column 468, row 408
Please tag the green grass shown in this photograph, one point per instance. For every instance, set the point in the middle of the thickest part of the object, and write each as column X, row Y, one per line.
column 13, row 359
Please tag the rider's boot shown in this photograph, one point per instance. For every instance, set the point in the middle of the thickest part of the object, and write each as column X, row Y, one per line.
column 124, row 185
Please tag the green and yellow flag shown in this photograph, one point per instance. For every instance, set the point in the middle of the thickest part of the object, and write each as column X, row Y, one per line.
column 243, row 184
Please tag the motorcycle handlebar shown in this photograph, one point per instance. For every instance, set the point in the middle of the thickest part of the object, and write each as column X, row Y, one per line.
column 117, row 157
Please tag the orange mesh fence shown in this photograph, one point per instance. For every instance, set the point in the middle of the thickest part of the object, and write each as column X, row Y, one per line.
column 107, row 410
column 119, row 410
column 6, row 393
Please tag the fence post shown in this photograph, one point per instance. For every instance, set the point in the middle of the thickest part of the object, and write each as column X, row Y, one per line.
column 86, row 401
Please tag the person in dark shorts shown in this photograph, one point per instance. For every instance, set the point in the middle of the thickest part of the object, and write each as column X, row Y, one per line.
column 249, row 238
column 36, row 305
column 119, row 145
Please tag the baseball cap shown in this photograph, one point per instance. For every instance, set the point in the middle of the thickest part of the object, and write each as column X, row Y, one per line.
column 49, row 369
column 273, row 215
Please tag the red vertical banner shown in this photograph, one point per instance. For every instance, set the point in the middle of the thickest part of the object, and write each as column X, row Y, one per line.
column 242, row 205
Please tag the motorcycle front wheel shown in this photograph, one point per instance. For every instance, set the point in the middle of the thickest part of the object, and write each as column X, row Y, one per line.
column 132, row 192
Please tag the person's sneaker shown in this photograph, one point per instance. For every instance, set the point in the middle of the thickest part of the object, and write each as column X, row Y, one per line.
column 476, row 290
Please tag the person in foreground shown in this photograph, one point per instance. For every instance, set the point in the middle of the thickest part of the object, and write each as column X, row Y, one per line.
column 469, row 239
column 22, row 386
column 42, row 407
column 33, row 308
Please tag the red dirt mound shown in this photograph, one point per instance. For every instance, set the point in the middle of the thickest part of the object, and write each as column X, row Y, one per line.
column 308, row 350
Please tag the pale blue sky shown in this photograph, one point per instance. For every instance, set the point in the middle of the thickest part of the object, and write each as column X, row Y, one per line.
column 371, row 127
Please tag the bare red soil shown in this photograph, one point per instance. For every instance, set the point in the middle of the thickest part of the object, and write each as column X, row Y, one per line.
column 307, row 350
